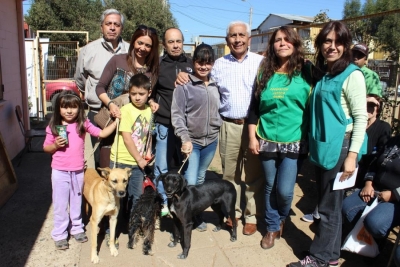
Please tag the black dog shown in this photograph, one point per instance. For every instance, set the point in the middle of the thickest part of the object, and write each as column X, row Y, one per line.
column 185, row 202
column 143, row 218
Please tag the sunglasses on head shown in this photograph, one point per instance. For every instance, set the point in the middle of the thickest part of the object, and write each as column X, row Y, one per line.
column 144, row 27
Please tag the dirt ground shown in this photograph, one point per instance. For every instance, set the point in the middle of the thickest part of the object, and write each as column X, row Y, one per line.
column 26, row 223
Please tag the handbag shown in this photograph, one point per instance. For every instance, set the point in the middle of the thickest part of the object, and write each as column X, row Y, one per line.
column 117, row 87
column 359, row 241
column 103, row 117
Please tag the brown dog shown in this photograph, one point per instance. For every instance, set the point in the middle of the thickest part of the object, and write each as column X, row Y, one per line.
column 103, row 194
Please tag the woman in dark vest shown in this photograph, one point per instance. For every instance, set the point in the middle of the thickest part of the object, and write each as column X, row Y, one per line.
column 338, row 118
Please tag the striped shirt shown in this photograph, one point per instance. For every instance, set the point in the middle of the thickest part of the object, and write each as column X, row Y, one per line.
column 236, row 79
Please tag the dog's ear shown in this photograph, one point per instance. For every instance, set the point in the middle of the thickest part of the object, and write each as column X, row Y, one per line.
column 183, row 183
column 128, row 171
column 104, row 172
column 160, row 178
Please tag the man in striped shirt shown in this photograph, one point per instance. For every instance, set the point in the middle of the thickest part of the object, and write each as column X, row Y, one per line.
column 235, row 74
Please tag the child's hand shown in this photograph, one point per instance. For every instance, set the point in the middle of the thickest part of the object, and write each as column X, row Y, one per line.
column 60, row 142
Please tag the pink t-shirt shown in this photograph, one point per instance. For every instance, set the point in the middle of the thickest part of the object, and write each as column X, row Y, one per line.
column 72, row 156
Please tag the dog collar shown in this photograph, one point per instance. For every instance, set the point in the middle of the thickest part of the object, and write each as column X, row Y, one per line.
column 147, row 182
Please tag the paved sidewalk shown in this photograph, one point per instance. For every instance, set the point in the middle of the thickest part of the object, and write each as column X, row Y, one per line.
column 26, row 223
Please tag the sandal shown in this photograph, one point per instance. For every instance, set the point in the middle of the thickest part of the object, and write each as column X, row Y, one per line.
column 81, row 237
column 61, row 244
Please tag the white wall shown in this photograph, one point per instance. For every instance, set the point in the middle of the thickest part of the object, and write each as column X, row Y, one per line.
column 11, row 74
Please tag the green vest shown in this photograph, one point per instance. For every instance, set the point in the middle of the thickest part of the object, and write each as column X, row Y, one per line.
column 283, row 109
column 328, row 120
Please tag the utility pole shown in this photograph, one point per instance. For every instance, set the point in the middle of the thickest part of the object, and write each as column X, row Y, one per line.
column 251, row 12
column 251, row 16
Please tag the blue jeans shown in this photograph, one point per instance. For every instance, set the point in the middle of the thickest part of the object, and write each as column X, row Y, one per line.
column 198, row 162
column 280, row 177
column 327, row 239
column 378, row 221
column 166, row 144
column 397, row 257
column 135, row 183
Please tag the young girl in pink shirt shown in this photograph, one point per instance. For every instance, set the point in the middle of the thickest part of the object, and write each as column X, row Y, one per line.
column 68, row 165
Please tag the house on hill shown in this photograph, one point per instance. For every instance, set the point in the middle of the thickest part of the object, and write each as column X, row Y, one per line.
column 260, row 35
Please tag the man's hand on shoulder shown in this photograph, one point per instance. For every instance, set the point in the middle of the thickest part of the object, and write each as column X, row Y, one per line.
column 182, row 78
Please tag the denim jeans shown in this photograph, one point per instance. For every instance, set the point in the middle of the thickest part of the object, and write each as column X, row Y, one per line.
column 378, row 221
column 198, row 162
column 135, row 183
column 397, row 257
column 280, row 177
column 166, row 143
column 327, row 239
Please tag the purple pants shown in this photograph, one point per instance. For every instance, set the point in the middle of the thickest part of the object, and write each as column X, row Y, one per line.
column 67, row 191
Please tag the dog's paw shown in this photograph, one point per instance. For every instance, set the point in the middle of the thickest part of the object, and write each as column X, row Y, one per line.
column 149, row 252
column 217, row 228
column 130, row 246
column 95, row 259
column 233, row 238
column 181, row 256
column 114, row 251
column 172, row 244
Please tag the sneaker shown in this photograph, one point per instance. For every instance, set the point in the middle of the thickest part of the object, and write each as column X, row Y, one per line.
column 202, row 227
column 333, row 263
column 306, row 262
column 164, row 211
column 81, row 237
column 107, row 238
column 61, row 244
column 308, row 218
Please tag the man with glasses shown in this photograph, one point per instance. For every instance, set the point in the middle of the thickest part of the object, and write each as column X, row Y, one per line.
column 173, row 62
column 94, row 56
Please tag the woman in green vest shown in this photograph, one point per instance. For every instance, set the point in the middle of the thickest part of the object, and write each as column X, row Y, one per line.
column 278, row 124
column 338, row 119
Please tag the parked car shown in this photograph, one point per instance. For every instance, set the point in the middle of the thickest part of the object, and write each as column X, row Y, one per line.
column 54, row 88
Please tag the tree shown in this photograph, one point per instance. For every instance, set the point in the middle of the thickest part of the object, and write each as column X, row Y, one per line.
column 152, row 13
column 382, row 30
column 84, row 15
column 387, row 30
column 61, row 15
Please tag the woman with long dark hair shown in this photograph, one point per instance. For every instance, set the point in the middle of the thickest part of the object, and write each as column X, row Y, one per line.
column 278, row 124
column 142, row 57
column 338, row 119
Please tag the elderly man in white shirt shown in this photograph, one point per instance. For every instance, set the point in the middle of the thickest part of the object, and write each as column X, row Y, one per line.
column 235, row 75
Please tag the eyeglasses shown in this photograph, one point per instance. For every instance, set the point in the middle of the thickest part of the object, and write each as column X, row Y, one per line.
column 144, row 28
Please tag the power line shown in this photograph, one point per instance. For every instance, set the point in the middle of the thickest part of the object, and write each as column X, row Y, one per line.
column 197, row 20
column 225, row 10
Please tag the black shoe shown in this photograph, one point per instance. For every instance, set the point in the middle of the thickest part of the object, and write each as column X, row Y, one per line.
column 307, row 262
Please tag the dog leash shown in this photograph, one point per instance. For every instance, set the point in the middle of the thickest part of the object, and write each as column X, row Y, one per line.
column 183, row 164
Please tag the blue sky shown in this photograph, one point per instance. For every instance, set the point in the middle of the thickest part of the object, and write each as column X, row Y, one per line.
column 210, row 17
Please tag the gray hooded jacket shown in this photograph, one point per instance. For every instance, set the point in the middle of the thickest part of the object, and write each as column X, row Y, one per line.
column 195, row 111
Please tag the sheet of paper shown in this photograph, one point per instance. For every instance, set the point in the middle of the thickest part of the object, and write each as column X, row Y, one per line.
column 350, row 182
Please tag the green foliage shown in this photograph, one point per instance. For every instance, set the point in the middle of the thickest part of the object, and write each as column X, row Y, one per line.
column 61, row 15
column 322, row 16
column 84, row 15
column 152, row 13
column 383, row 30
